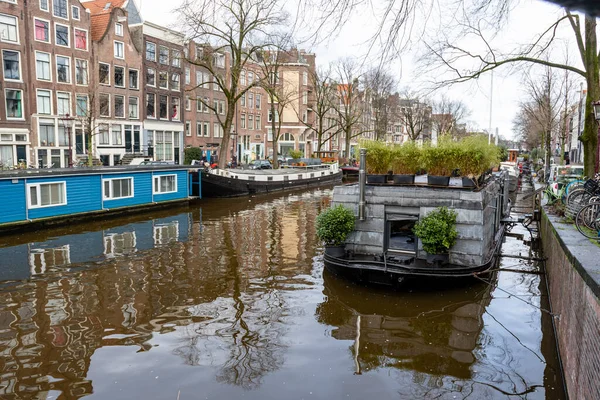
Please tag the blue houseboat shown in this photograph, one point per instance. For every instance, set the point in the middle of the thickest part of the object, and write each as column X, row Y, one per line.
column 47, row 195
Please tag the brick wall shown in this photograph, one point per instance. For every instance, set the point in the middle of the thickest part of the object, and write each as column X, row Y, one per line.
column 574, row 297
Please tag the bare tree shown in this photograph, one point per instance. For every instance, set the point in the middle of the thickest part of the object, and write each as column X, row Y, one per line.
column 527, row 128
column 415, row 115
column 238, row 27
column 323, row 109
column 88, row 115
column 349, row 102
column 278, row 91
column 379, row 89
column 447, row 115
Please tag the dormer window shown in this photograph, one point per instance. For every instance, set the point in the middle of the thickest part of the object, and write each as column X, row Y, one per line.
column 119, row 29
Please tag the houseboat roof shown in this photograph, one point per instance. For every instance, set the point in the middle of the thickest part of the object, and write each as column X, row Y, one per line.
column 48, row 172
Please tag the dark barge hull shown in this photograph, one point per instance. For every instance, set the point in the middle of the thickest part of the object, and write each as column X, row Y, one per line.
column 222, row 186
column 375, row 270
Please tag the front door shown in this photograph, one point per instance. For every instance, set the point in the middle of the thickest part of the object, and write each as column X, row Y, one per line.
column 128, row 141
column 79, row 147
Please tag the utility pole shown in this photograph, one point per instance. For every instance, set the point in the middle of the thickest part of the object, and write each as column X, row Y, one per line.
column 491, row 104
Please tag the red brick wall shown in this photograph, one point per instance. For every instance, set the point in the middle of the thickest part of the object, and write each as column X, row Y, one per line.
column 578, row 313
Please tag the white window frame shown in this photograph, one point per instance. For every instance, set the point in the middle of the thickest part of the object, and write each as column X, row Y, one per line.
column 138, row 107
column 87, row 104
column 168, row 55
column 37, row 103
column 87, row 78
column 146, row 51
column 17, row 41
column 125, row 112
column 45, row 9
column 137, row 87
column 167, row 80
column 116, row 42
column 68, row 46
column 87, row 39
column 57, row 16
column 49, row 65
column 110, row 195
column 188, row 76
column 70, row 80
column 109, row 105
column 155, row 77
column 69, row 108
column 124, row 78
column 119, row 29
column 20, row 66
column 109, row 80
column 156, row 181
column 73, row 14
column 37, row 186
column 49, row 29
column 188, row 128
column 22, row 117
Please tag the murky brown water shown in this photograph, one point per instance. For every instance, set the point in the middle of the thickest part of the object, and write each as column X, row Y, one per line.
column 228, row 299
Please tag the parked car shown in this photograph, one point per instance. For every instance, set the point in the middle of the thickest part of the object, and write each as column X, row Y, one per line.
column 261, row 164
column 560, row 175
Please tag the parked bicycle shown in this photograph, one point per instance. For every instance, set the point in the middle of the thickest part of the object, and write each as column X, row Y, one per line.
column 588, row 221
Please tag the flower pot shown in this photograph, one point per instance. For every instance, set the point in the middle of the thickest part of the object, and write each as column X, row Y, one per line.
column 437, row 180
column 468, row 182
column 438, row 259
column 335, row 251
column 403, row 179
column 379, row 178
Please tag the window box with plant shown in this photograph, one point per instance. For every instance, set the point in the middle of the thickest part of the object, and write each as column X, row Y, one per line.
column 437, row 232
column 333, row 227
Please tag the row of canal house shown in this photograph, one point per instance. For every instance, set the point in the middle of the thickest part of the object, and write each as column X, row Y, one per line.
column 128, row 86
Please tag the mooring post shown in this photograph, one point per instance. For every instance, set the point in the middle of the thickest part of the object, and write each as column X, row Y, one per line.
column 362, row 181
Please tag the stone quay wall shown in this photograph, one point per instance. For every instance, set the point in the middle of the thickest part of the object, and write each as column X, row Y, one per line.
column 573, row 270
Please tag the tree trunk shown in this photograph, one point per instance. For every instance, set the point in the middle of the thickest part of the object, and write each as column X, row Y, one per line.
column 347, row 145
column 275, row 135
column 589, row 138
column 224, row 153
column 548, row 145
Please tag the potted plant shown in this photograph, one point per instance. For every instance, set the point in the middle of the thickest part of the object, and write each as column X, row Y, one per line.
column 439, row 162
column 296, row 156
column 437, row 231
column 405, row 162
column 476, row 157
column 333, row 226
column 378, row 161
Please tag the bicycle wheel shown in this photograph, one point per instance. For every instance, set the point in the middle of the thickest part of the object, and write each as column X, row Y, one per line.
column 588, row 221
column 573, row 185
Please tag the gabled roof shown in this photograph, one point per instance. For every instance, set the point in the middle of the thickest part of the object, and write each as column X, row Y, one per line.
column 100, row 11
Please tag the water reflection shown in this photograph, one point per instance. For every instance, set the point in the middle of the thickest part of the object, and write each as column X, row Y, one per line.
column 429, row 330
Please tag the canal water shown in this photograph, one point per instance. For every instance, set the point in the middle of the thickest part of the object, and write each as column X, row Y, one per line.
column 228, row 299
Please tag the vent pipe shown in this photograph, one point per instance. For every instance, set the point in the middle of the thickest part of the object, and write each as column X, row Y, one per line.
column 362, row 182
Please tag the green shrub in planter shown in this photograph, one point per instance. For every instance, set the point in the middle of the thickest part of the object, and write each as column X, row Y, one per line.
column 295, row 154
column 378, row 156
column 405, row 159
column 334, row 225
column 477, row 156
column 437, row 230
column 440, row 160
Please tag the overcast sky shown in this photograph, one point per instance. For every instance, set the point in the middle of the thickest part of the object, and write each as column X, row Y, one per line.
column 527, row 19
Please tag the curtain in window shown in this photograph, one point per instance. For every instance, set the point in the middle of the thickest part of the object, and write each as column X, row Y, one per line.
column 6, row 155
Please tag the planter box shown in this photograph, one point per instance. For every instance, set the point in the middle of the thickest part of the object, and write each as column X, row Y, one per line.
column 403, row 179
column 436, row 180
column 468, row 182
column 373, row 178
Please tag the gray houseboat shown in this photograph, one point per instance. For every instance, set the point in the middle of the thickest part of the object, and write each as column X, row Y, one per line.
column 383, row 248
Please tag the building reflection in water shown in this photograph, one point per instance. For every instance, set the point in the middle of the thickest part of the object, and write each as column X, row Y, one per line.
column 429, row 331
column 212, row 276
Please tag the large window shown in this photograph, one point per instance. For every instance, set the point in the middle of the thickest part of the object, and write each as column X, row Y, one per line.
column 44, row 102
column 175, row 106
column 104, row 73
column 47, row 194
column 150, row 77
column 14, row 103
column 104, row 137
column 117, row 188
column 75, row 12
column 119, row 106
column 82, row 105
column 80, row 39
column 63, row 103
column 165, row 184
column 47, row 136
column 119, row 29
column 119, row 50
column 176, row 58
column 119, row 76
column 117, row 136
column 162, row 107
column 10, row 60
column 81, row 72
column 44, row 5
column 42, row 64
column 163, row 80
column 104, row 105
column 133, row 79
column 174, row 81
column 42, row 31
column 133, row 108
column 150, row 51
column 8, row 29
column 150, row 105
column 63, row 69
column 61, row 33
column 163, row 56
column 59, row 8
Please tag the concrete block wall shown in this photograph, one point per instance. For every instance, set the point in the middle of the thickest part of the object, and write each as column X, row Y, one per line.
column 475, row 239
column 573, row 275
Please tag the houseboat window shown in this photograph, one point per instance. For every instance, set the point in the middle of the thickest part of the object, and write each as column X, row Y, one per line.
column 47, row 194
column 401, row 237
column 117, row 188
column 165, row 184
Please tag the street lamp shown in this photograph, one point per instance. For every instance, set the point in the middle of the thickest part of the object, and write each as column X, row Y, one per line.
column 68, row 122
